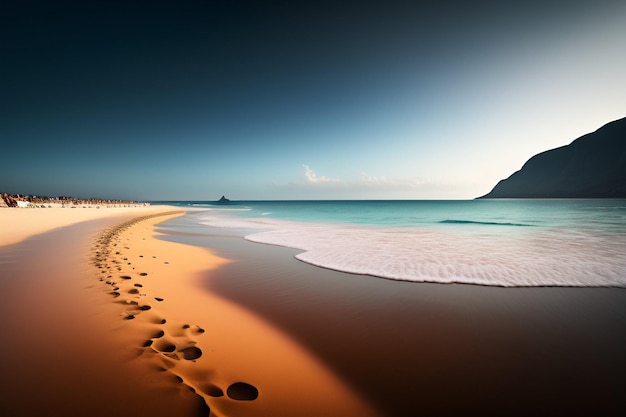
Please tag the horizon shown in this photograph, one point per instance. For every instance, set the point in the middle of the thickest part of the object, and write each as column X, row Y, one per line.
column 182, row 101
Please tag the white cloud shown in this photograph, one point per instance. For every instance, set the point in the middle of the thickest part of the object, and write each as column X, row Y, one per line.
column 383, row 181
column 364, row 186
column 312, row 178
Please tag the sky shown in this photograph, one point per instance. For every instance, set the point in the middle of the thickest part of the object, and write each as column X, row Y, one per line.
column 192, row 100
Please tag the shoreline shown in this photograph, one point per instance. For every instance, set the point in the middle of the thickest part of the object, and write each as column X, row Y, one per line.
column 423, row 348
column 422, row 242
column 250, row 330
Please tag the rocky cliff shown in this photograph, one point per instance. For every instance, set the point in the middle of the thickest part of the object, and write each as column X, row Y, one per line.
column 592, row 166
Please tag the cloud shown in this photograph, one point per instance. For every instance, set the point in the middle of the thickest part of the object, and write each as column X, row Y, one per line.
column 312, row 178
column 364, row 186
column 383, row 181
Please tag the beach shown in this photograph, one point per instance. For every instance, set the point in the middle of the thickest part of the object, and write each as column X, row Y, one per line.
column 108, row 320
column 19, row 224
column 121, row 314
column 64, row 353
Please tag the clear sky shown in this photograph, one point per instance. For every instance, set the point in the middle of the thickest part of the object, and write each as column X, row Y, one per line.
column 158, row 100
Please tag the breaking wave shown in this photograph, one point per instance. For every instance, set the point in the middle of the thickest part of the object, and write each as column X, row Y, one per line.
column 483, row 223
column 507, row 257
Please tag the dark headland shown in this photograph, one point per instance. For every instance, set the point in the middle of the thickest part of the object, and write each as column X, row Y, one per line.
column 592, row 166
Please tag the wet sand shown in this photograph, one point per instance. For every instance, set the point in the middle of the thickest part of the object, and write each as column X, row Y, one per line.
column 114, row 322
column 431, row 349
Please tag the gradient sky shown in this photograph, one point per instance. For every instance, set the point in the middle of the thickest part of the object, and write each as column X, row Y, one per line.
column 157, row 100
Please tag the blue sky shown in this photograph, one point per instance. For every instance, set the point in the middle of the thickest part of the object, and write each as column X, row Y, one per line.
column 298, row 100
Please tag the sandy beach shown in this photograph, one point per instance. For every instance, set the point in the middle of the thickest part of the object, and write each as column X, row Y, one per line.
column 107, row 320
column 67, row 356
column 19, row 224
column 115, row 313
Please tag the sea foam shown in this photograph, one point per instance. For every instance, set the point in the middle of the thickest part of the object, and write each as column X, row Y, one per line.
column 479, row 254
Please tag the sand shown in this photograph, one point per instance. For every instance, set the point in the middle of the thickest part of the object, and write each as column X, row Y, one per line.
column 17, row 224
column 114, row 316
column 62, row 352
column 235, row 361
column 103, row 319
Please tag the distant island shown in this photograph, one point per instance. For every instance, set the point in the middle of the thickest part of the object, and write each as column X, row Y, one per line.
column 223, row 200
column 592, row 166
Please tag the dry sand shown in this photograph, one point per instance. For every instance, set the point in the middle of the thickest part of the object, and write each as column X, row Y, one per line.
column 116, row 323
column 17, row 224
column 62, row 353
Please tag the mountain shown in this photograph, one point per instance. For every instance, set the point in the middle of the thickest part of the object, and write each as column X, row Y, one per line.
column 592, row 166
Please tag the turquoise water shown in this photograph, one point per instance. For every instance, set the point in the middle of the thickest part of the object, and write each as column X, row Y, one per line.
column 487, row 242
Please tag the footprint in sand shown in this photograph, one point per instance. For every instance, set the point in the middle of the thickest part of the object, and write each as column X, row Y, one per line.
column 197, row 329
column 242, row 391
column 191, row 353
column 143, row 274
column 164, row 346
column 213, row 391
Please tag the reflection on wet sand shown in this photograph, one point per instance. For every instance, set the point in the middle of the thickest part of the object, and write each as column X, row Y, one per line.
column 431, row 349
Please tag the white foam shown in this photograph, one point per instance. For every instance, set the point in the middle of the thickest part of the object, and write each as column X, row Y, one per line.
column 510, row 258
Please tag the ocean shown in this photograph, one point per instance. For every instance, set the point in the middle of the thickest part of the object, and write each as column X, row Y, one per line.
column 506, row 243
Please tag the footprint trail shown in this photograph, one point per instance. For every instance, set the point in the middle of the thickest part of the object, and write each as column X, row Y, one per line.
column 175, row 347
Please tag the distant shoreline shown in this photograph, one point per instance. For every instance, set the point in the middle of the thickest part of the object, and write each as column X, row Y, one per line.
column 27, row 201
